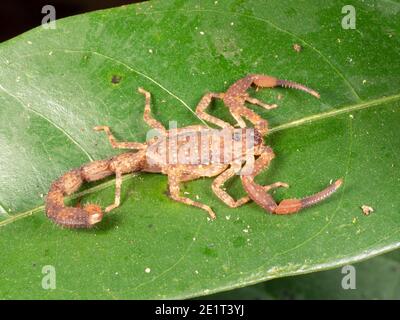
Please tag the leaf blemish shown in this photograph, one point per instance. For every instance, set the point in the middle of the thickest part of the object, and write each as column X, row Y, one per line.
column 116, row 79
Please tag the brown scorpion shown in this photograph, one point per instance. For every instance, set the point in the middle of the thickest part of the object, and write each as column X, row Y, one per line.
column 188, row 153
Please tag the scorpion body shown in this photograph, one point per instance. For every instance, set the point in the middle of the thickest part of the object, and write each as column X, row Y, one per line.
column 221, row 152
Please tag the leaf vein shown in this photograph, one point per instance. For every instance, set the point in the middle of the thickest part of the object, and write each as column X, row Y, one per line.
column 49, row 121
column 139, row 73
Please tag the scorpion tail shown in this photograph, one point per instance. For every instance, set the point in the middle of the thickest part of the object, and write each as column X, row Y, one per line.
column 270, row 82
column 70, row 182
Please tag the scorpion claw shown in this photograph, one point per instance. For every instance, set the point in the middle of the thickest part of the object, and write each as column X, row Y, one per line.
column 264, row 81
column 298, row 86
column 288, row 206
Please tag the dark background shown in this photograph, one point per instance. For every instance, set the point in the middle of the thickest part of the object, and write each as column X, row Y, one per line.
column 18, row 16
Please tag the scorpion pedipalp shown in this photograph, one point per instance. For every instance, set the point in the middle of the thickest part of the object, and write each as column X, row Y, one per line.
column 287, row 206
column 265, row 81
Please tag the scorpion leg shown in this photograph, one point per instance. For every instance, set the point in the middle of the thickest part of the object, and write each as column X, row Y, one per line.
column 147, row 118
column 174, row 193
column 258, row 122
column 118, row 184
column 226, row 198
column 222, row 194
column 118, row 144
column 260, row 103
column 147, row 113
column 239, row 120
column 203, row 105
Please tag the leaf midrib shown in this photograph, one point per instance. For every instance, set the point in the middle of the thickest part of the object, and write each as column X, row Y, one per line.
column 303, row 121
column 336, row 112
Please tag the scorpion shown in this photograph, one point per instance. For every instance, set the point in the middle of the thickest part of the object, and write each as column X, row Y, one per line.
column 205, row 157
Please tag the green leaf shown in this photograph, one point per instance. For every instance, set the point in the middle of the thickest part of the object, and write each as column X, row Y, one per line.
column 56, row 84
column 378, row 278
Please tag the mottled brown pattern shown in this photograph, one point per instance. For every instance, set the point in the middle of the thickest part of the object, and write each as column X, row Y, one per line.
column 178, row 168
column 236, row 97
column 185, row 154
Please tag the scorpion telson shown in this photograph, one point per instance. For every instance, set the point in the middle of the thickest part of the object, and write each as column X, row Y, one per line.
column 219, row 153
